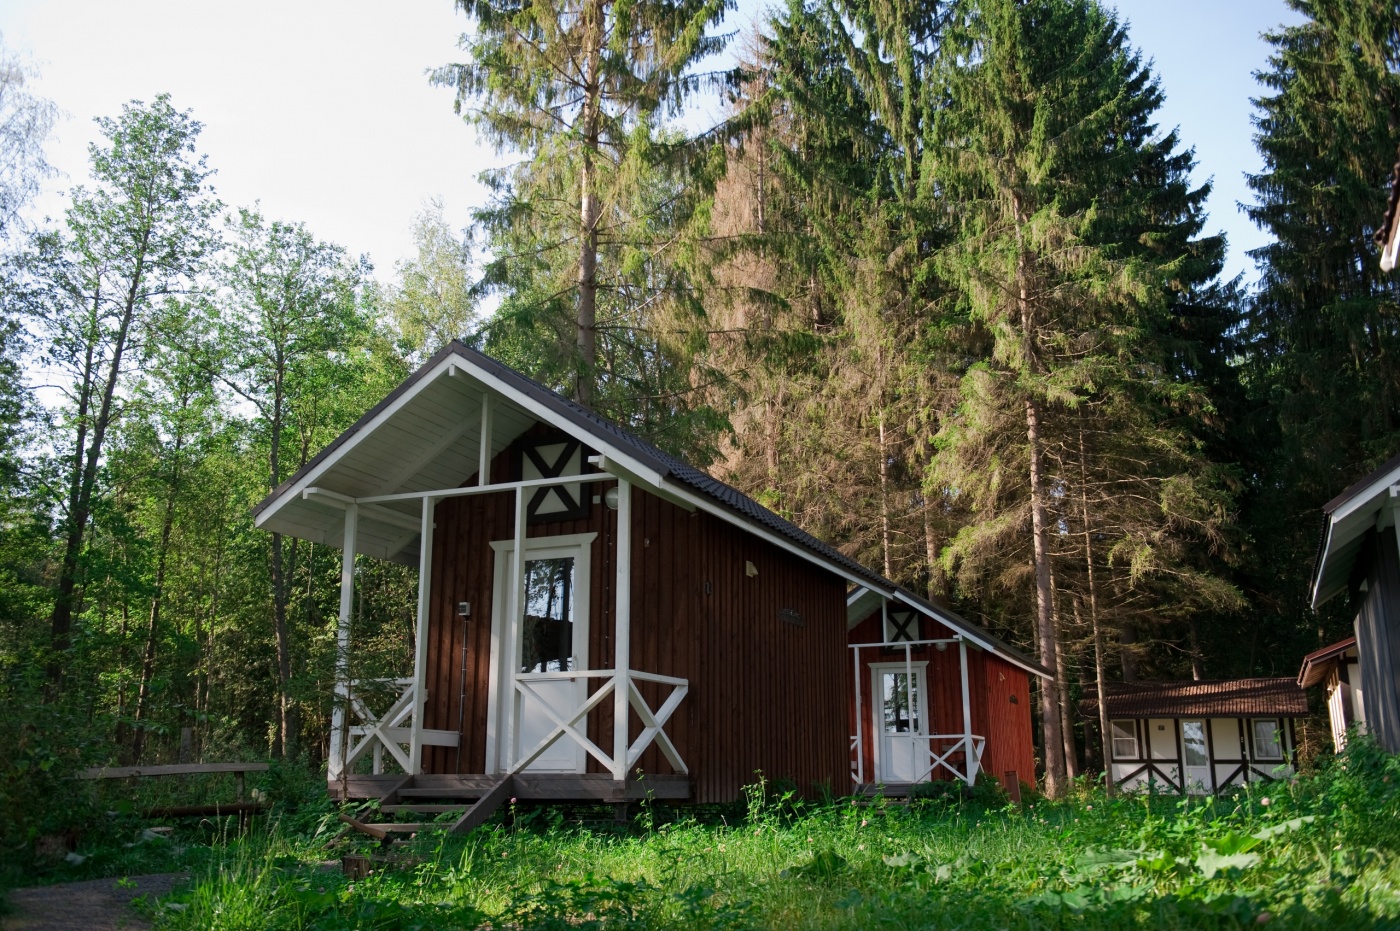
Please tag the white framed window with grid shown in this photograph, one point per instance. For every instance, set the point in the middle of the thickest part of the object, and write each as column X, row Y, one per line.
column 1267, row 742
column 1125, row 741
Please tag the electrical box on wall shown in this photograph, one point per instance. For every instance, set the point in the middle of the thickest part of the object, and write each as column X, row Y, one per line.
column 464, row 608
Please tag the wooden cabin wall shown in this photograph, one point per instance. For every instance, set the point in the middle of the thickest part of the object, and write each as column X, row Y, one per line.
column 991, row 684
column 1378, row 636
column 1006, row 693
column 761, row 696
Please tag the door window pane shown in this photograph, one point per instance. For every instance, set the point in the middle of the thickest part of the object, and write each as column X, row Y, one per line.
column 1266, row 743
column 1193, row 740
column 1124, row 740
column 900, row 707
column 547, row 634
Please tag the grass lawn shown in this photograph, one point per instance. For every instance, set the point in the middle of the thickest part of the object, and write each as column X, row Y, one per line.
column 1318, row 853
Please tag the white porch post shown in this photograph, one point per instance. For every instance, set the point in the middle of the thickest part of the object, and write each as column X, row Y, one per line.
column 420, row 653
column 969, row 752
column 622, row 629
column 335, row 768
column 510, row 632
column 860, row 728
column 483, row 469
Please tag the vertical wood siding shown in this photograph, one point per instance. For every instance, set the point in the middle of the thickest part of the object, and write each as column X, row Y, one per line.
column 764, row 693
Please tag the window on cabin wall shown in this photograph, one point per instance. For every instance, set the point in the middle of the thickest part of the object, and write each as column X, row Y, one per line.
column 1125, row 743
column 1266, row 741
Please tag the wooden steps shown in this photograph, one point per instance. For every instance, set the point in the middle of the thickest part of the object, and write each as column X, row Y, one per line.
column 463, row 793
column 485, row 806
column 424, row 808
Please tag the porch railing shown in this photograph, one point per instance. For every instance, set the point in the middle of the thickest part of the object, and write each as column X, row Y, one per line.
column 937, row 757
column 568, row 724
column 377, row 733
column 971, row 745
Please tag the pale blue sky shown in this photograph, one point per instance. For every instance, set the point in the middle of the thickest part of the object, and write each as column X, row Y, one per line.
column 321, row 110
column 1206, row 54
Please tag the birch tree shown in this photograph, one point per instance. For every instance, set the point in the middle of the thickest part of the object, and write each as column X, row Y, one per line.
column 138, row 236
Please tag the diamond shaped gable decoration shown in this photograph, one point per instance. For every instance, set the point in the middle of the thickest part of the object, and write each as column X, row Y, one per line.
column 901, row 625
column 553, row 457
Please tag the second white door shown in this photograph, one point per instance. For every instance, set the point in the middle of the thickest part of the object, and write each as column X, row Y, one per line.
column 901, row 722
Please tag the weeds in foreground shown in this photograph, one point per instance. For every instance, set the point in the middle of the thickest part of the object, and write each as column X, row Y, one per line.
column 1319, row 853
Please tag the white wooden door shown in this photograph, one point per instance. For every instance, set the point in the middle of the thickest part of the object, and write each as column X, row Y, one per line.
column 549, row 636
column 1195, row 758
column 901, row 722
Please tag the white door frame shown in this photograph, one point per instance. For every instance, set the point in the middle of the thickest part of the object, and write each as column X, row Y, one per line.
column 500, row 715
column 919, row 669
column 1208, row 783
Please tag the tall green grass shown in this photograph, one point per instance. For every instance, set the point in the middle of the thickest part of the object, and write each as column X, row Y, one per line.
column 1319, row 853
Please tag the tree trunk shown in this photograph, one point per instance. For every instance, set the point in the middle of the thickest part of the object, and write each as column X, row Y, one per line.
column 61, row 621
column 1127, row 651
column 1197, row 665
column 148, row 661
column 1066, row 706
column 1100, row 680
column 887, row 561
column 935, row 570
column 589, row 119
column 284, row 738
column 1052, row 725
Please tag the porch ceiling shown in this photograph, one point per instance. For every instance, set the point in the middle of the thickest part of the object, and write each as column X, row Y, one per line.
column 1366, row 506
column 425, row 436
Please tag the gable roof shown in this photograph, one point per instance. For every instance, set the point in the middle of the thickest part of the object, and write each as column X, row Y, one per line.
column 447, row 451
column 862, row 602
column 1348, row 521
column 1318, row 663
column 1221, row 698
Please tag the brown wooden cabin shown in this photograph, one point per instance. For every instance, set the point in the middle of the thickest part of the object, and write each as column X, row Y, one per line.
column 1360, row 559
column 665, row 635
column 1199, row 737
column 966, row 713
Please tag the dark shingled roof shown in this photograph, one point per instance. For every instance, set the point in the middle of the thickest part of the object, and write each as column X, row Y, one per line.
column 662, row 462
column 1226, row 698
column 666, row 465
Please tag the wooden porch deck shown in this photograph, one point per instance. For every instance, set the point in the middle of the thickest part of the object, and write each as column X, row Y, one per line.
column 553, row 787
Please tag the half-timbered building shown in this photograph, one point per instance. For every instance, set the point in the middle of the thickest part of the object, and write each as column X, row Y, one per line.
column 597, row 619
column 1199, row 737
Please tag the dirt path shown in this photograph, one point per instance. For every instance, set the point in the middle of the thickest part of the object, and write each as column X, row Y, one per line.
column 95, row 905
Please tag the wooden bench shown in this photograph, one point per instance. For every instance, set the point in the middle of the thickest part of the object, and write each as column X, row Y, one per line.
column 239, row 807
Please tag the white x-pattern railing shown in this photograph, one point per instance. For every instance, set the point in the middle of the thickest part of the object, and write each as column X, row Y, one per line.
column 573, row 724
column 970, row 745
column 390, row 732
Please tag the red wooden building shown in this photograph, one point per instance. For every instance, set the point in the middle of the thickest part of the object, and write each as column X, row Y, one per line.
column 599, row 620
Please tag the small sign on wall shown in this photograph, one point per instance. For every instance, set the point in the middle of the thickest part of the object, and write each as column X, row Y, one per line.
column 791, row 616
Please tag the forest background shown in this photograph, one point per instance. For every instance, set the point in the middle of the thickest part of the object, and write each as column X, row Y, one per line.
column 936, row 289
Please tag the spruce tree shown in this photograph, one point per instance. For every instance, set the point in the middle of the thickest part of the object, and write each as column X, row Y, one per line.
column 580, row 90
column 1322, row 340
column 1076, row 241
